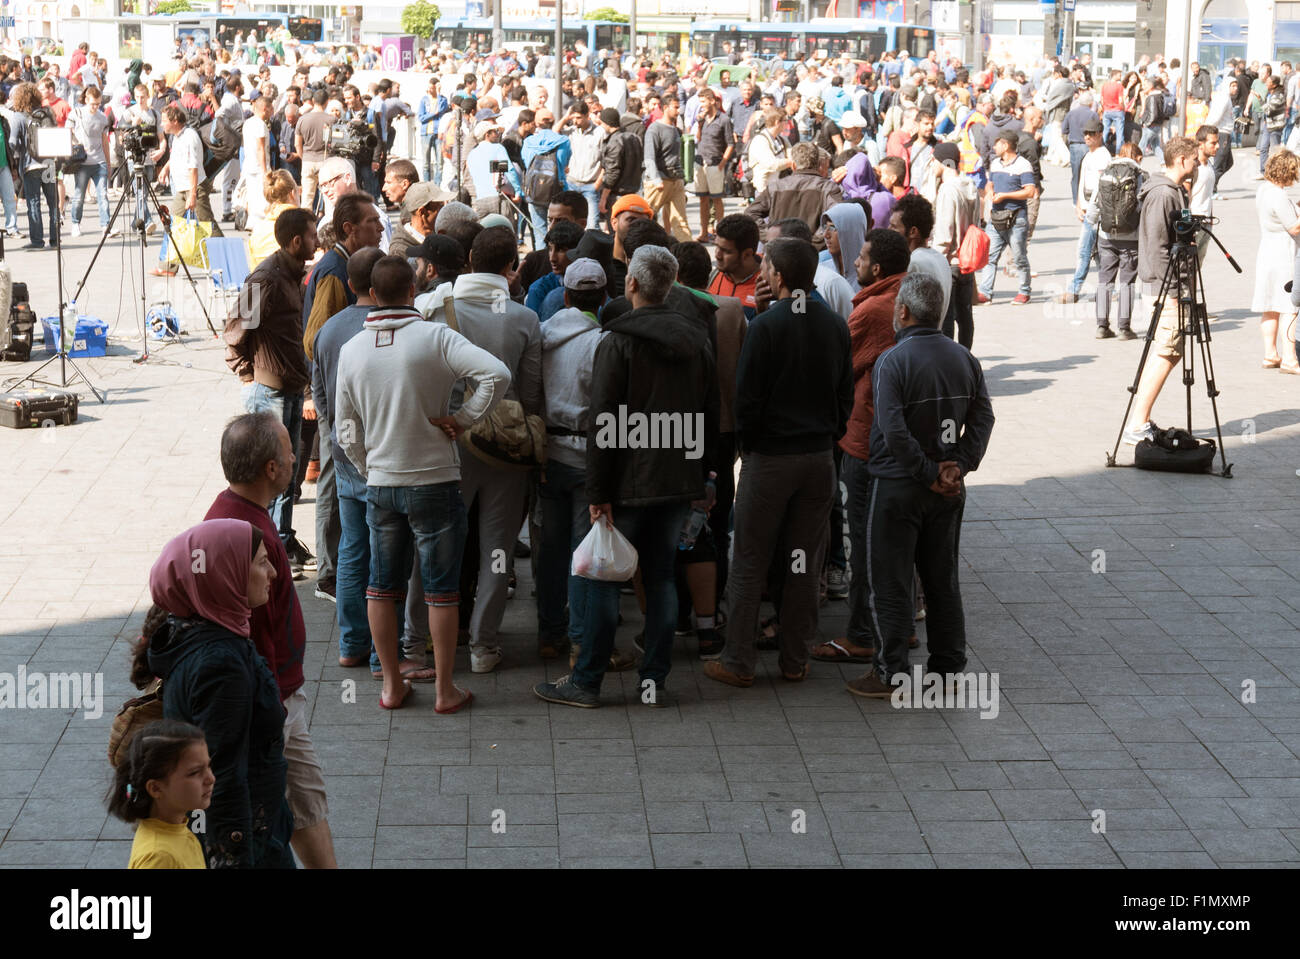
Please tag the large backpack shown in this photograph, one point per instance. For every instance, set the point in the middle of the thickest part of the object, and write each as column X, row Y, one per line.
column 542, row 178
column 1168, row 106
column 1117, row 197
column 1275, row 110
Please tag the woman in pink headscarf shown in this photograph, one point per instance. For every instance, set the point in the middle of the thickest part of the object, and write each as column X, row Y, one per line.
column 208, row 579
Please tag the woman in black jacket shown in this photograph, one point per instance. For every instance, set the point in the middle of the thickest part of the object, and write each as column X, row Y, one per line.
column 208, row 579
column 24, row 101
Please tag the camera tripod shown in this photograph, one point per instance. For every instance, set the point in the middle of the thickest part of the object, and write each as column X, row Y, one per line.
column 1182, row 280
column 139, row 190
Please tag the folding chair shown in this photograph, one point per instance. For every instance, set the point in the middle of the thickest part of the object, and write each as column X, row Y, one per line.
column 228, row 268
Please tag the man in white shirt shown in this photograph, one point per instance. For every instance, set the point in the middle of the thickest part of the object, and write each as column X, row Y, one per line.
column 184, row 170
column 256, row 158
column 587, row 139
column 1090, row 169
column 1201, row 202
column 913, row 219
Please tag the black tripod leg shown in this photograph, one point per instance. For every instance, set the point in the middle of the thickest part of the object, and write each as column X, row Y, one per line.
column 167, row 226
column 1156, row 311
column 1211, row 388
column 100, row 246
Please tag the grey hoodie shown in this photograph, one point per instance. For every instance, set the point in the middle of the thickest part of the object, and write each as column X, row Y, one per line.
column 1160, row 200
column 569, row 341
column 392, row 377
column 851, row 223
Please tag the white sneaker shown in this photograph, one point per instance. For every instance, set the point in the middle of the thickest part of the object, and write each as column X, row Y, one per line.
column 76, row 229
column 484, row 662
column 151, row 228
column 1136, row 434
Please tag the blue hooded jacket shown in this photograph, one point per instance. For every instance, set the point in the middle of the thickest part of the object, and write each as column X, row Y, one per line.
column 544, row 141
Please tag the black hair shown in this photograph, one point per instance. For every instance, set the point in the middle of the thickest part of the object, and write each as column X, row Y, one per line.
column 794, row 228
column 391, row 278
column 795, row 260
column 564, row 235
column 536, row 265
column 574, row 201
column 493, row 250
column 888, row 251
column 152, row 753
column 915, row 211
column 463, row 232
column 644, row 233
column 741, row 230
column 694, row 265
column 589, row 301
column 292, row 223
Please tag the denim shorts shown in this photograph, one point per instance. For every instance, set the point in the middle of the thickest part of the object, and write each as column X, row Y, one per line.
column 408, row 520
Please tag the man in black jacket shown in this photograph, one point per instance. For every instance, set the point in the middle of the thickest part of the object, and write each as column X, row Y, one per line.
column 653, row 433
column 932, row 424
column 621, row 158
column 794, row 394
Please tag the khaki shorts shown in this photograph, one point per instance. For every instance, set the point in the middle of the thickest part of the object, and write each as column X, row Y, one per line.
column 305, row 785
column 708, row 180
column 1168, row 340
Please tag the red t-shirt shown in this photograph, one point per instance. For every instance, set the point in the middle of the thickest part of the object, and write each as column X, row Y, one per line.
column 60, row 108
column 277, row 628
column 1112, row 95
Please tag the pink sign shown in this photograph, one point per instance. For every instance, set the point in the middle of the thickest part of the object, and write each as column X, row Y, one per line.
column 397, row 53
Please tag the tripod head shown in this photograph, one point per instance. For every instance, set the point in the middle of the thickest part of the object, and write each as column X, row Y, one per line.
column 1189, row 224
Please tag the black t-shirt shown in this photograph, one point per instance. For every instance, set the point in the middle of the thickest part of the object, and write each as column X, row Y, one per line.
column 824, row 133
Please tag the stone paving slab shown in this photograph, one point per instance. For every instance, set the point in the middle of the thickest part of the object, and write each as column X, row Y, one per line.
column 1121, row 686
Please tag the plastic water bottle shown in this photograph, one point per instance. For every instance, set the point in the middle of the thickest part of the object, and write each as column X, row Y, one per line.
column 697, row 517
column 68, row 326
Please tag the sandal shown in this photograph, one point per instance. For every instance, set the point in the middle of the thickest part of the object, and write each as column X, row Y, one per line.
column 406, row 694
column 769, row 633
column 1288, row 368
column 412, row 672
column 469, row 698
column 548, row 649
column 1271, row 364
column 798, row 677
column 842, row 651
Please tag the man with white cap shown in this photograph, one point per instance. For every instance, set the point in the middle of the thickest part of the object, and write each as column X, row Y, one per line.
column 854, row 127
column 338, row 178
column 420, row 207
column 485, row 182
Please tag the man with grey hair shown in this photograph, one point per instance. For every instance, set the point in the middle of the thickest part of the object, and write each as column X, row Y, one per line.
column 651, row 442
column 932, row 424
column 805, row 194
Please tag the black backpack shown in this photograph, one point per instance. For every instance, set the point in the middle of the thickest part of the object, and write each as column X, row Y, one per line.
column 1117, row 197
column 40, row 117
column 542, row 178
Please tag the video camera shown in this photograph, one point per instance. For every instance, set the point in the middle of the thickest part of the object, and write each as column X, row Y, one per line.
column 1188, row 223
column 350, row 139
column 139, row 138
column 498, row 166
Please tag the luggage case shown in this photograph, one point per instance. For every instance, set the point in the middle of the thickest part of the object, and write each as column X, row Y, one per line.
column 21, row 409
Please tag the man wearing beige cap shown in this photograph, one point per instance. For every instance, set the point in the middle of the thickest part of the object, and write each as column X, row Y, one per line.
column 486, row 163
column 420, row 208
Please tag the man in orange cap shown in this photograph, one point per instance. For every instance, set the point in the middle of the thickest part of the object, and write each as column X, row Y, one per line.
column 627, row 210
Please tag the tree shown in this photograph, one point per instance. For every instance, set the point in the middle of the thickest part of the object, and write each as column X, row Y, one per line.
column 418, row 18
column 174, row 6
column 606, row 13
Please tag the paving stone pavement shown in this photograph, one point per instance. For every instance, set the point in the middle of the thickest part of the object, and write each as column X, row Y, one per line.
column 1121, row 671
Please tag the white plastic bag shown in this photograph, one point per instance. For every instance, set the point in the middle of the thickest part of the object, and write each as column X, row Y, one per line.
column 604, row 554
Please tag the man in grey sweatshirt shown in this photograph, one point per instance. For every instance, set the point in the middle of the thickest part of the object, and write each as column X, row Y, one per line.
column 395, row 426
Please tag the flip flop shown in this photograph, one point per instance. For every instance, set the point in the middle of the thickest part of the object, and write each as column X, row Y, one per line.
column 412, row 672
column 469, row 698
column 1271, row 364
column 837, row 651
column 406, row 694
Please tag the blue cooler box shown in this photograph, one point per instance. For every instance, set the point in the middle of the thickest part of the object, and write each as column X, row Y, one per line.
column 91, row 338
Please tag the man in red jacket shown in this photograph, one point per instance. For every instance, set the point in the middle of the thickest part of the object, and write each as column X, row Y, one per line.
column 881, row 266
column 257, row 458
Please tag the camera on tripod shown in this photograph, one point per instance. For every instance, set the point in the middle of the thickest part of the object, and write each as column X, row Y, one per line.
column 349, row 139
column 498, row 166
column 1188, row 223
column 138, row 139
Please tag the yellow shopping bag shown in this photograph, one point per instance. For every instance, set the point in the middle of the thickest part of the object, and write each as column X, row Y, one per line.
column 188, row 235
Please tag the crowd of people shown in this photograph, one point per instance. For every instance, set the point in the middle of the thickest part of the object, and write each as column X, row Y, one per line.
column 451, row 389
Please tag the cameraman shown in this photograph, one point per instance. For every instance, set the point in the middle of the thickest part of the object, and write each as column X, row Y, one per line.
column 1162, row 199
column 485, row 180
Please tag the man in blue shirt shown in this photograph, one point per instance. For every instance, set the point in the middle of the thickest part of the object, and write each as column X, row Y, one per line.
column 432, row 107
column 488, row 188
column 1011, row 185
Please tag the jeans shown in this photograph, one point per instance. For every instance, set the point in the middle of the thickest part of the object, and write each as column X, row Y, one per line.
column 565, row 521
column 1222, row 159
column 538, row 215
column 908, row 524
column 99, row 173
column 1087, row 245
column 352, row 574
column 1077, row 152
column 1151, row 136
column 1113, row 121
column 1267, row 140
column 589, row 191
column 858, row 482
column 35, row 184
column 9, row 199
column 258, row 397
column 426, row 150
column 1018, row 237
column 835, row 555
column 327, row 510
column 653, row 530
column 410, row 523
column 961, row 317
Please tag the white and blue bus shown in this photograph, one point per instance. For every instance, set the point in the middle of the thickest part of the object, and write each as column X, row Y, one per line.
column 855, row 38
column 517, row 34
column 224, row 27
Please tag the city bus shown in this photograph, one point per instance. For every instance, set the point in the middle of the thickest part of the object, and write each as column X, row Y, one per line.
column 224, row 26
column 517, row 34
column 854, row 38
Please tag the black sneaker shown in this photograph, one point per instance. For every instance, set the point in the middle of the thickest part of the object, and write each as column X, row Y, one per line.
column 1105, row 333
column 522, row 550
column 325, row 589
column 566, row 694
column 300, row 556
column 1127, row 334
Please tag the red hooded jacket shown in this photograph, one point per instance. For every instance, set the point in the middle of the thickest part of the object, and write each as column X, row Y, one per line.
column 871, row 332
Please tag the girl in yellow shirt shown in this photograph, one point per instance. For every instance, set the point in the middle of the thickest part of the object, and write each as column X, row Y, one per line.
column 166, row 773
